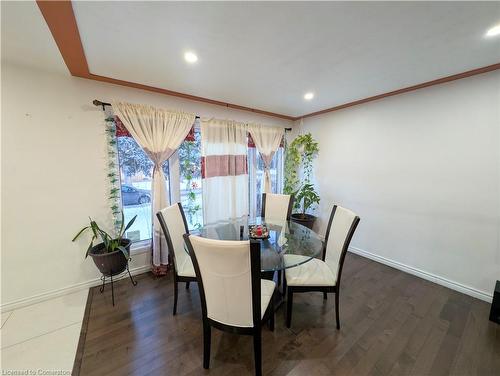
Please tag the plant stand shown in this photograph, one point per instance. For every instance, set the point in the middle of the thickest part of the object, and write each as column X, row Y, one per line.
column 103, row 279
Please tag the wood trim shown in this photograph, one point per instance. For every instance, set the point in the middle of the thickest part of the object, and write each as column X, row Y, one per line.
column 185, row 96
column 439, row 81
column 77, row 364
column 62, row 23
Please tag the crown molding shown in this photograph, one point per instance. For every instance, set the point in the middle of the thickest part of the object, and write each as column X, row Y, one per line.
column 62, row 23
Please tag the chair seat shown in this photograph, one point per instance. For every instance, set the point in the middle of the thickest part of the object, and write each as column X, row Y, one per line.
column 186, row 268
column 311, row 273
column 266, row 292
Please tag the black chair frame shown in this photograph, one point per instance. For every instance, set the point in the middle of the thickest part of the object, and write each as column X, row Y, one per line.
column 290, row 290
column 256, row 330
column 171, row 255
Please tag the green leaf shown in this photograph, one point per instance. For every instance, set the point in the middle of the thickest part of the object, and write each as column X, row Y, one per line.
column 124, row 251
column 105, row 238
column 122, row 224
column 90, row 246
column 94, row 227
column 80, row 232
column 130, row 224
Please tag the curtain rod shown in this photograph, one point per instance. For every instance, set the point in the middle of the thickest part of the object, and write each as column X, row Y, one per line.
column 98, row 103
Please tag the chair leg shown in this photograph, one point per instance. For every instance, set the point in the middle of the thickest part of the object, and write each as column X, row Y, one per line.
column 325, row 296
column 257, row 349
column 289, row 303
column 207, row 337
column 337, row 309
column 176, row 293
column 279, row 278
column 187, row 285
column 284, row 284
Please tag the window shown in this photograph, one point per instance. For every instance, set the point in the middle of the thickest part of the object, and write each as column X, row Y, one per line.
column 135, row 174
column 183, row 175
column 256, row 176
column 189, row 154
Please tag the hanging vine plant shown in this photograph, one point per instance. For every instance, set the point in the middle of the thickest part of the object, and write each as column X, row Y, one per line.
column 299, row 158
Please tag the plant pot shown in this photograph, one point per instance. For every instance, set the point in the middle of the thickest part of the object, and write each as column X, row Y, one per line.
column 306, row 220
column 110, row 263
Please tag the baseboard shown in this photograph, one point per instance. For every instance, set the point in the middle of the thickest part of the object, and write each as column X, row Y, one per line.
column 425, row 275
column 64, row 291
column 142, row 269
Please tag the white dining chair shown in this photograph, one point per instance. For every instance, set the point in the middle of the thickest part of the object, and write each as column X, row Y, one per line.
column 322, row 275
column 234, row 298
column 174, row 225
column 277, row 207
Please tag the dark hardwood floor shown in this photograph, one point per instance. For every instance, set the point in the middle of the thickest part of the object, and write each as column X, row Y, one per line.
column 392, row 323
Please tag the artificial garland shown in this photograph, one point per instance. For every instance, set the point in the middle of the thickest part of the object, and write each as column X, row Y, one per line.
column 113, row 172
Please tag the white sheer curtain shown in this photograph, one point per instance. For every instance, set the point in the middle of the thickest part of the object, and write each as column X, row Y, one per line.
column 267, row 140
column 159, row 132
column 224, row 169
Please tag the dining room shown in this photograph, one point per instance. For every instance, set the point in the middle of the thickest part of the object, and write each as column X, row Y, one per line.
column 250, row 188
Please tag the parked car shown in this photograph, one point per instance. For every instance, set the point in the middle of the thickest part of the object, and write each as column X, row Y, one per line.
column 134, row 196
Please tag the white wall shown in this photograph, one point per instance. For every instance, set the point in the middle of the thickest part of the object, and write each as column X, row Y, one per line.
column 422, row 170
column 54, row 176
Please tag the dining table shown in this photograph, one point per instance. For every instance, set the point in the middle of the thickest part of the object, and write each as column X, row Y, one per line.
column 289, row 244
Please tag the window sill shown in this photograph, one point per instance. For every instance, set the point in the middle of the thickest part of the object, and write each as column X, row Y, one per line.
column 143, row 246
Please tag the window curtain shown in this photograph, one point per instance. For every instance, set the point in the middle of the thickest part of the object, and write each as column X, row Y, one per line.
column 159, row 133
column 224, row 170
column 267, row 140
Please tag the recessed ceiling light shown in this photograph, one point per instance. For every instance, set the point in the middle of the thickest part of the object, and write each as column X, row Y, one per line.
column 494, row 31
column 308, row 96
column 190, row 57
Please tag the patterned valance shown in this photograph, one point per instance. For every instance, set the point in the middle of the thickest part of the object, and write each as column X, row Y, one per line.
column 121, row 131
column 251, row 143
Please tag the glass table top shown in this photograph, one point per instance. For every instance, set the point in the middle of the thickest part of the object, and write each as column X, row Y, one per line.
column 289, row 244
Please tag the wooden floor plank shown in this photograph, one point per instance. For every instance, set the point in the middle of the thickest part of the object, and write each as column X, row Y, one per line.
column 393, row 323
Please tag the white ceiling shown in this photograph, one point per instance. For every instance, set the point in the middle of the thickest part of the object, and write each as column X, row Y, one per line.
column 267, row 55
column 26, row 38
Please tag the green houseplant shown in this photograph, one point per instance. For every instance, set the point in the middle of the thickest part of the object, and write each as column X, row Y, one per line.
column 299, row 157
column 112, row 254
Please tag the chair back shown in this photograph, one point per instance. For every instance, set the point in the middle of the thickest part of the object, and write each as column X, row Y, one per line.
column 277, row 207
column 228, row 274
column 174, row 225
column 339, row 232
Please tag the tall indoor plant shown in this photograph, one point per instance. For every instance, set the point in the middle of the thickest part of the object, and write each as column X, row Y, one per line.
column 298, row 173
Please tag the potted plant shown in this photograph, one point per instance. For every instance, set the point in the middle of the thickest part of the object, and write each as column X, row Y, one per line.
column 305, row 197
column 111, row 256
column 299, row 157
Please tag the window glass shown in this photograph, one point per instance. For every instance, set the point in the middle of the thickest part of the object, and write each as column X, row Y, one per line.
column 256, row 178
column 190, row 178
column 136, row 171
